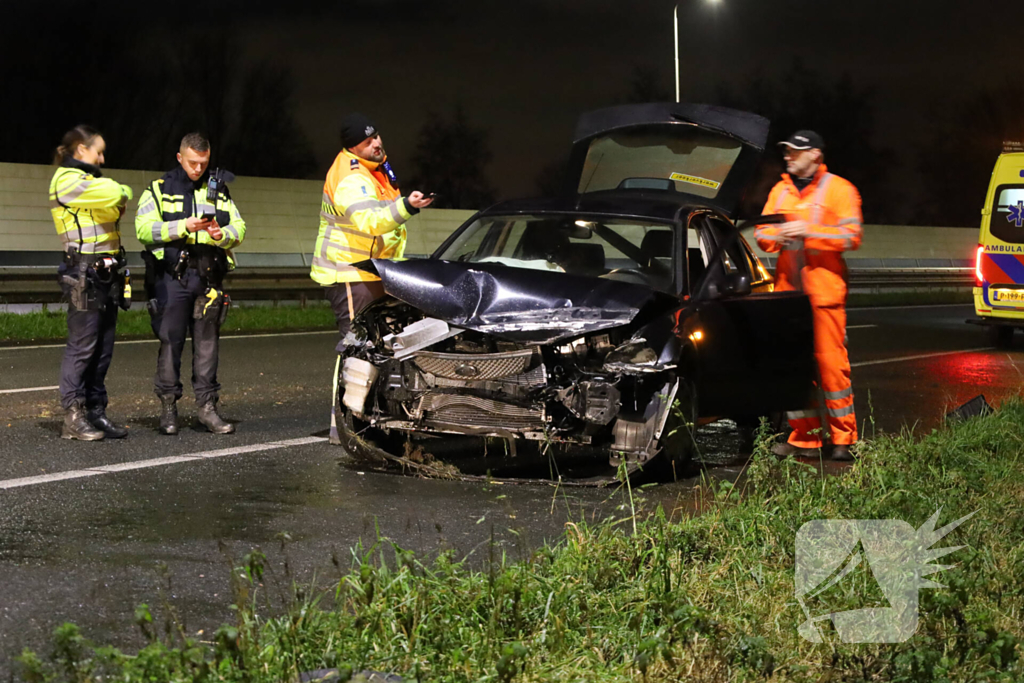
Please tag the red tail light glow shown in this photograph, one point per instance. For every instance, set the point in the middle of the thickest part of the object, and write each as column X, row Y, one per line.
column 979, row 279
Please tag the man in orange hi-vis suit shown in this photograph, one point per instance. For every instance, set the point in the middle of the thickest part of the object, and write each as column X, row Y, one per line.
column 823, row 220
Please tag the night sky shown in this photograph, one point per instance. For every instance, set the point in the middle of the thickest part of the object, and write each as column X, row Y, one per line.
column 525, row 70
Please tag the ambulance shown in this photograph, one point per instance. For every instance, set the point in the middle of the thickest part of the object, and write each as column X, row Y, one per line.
column 999, row 258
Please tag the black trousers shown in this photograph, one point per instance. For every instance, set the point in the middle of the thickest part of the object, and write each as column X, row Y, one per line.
column 347, row 299
column 89, row 349
column 172, row 322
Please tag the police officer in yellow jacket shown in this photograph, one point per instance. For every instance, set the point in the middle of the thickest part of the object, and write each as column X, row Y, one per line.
column 86, row 209
column 189, row 224
column 362, row 216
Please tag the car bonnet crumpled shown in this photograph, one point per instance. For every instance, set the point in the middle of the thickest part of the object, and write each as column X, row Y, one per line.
column 514, row 303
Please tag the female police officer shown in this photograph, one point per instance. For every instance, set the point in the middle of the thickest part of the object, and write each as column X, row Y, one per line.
column 86, row 208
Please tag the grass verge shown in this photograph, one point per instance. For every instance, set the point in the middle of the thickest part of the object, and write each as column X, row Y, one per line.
column 134, row 323
column 645, row 597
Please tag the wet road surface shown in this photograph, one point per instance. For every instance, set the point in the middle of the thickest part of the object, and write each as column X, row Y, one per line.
column 90, row 548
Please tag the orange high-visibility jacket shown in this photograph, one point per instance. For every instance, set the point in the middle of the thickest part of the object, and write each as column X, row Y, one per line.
column 362, row 216
column 831, row 207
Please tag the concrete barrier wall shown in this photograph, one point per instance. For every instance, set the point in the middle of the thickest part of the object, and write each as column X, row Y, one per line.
column 282, row 216
column 907, row 242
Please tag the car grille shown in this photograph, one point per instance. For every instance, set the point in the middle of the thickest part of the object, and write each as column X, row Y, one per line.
column 473, row 411
column 474, row 366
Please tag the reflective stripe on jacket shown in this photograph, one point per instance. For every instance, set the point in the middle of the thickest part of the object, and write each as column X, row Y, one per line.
column 154, row 232
column 86, row 209
column 362, row 216
column 831, row 207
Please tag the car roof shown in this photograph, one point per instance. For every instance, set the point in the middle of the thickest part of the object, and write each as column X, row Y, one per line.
column 653, row 204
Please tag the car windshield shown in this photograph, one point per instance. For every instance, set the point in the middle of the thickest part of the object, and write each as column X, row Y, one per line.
column 626, row 250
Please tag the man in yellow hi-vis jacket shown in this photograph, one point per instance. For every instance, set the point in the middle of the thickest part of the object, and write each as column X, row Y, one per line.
column 362, row 216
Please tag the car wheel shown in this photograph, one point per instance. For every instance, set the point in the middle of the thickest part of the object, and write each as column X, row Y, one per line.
column 678, row 445
column 1001, row 336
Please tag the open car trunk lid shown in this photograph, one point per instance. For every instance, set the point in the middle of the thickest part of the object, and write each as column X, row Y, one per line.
column 706, row 152
column 514, row 303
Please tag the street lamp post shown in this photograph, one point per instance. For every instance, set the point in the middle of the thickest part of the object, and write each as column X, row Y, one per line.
column 675, row 25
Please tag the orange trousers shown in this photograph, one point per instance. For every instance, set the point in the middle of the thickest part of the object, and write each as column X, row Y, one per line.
column 834, row 371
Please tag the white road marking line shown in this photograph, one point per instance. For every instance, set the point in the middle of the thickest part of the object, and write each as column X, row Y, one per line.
column 918, row 357
column 859, row 327
column 155, row 341
column 21, row 391
column 157, row 462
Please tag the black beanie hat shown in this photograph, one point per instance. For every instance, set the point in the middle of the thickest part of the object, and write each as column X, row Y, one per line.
column 355, row 128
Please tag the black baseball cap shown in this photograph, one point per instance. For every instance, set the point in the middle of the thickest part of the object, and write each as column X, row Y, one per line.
column 355, row 128
column 804, row 139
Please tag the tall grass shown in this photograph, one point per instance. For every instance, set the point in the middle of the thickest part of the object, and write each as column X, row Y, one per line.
column 697, row 598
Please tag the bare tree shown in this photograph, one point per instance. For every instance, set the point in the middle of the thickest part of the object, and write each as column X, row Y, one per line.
column 842, row 113
column 450, row 159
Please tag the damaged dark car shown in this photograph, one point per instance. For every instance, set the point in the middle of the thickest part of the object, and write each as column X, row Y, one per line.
column 603, row 326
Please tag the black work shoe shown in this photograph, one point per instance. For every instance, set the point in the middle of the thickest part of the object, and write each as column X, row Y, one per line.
column 842, row 453
column 785, row 450
column 98, row 418
column 76, row 425
column 215, row 423
column 169, row 415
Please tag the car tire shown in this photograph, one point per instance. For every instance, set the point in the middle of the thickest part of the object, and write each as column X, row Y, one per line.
column 678, row 444
column 1001, row 336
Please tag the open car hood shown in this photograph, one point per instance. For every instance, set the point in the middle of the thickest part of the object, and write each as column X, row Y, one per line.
column 705, row 153
column 517, row 304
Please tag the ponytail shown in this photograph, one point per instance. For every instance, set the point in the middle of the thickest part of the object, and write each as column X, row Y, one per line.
column 79, row 135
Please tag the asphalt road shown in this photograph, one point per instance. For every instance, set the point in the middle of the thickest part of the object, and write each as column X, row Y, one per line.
column 158, row 519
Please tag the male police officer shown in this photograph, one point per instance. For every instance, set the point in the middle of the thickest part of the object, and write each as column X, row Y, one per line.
column 824, row 220
column 362, row 216
column 189, row 229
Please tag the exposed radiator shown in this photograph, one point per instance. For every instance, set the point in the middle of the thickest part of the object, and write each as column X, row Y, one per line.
column 472, row 411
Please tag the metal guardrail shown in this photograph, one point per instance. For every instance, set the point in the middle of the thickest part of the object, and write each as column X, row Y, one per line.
column 38, row 284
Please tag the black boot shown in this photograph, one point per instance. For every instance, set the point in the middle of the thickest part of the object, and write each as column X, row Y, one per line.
column 208, row 416
column 98, row 418
column 169, row 415
column 76, row 425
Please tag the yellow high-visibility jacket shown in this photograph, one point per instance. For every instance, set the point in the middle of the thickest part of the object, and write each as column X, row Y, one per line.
column 362, row 216
column 86, row 208
column 160, row 220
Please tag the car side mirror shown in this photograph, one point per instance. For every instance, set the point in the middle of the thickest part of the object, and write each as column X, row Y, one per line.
column 737, row 284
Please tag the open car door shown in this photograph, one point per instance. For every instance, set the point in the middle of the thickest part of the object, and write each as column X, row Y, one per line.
column 708, row 153
column 756, row 351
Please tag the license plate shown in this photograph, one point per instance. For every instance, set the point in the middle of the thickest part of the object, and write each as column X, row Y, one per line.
column 1008, row 295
